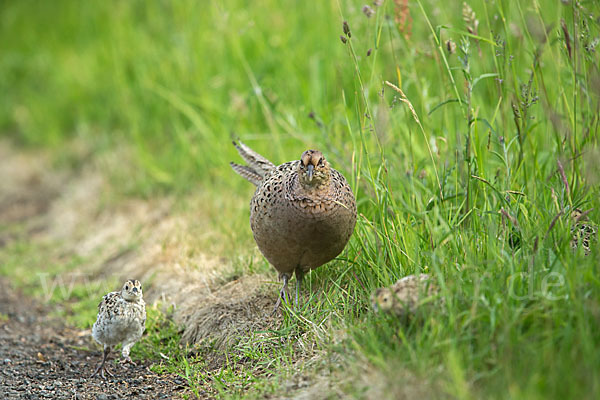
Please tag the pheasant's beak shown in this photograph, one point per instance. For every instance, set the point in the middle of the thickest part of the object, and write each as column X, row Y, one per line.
column 309, row 171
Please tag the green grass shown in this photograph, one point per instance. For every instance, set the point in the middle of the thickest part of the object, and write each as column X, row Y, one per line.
column 73, row 294
column 459, row 176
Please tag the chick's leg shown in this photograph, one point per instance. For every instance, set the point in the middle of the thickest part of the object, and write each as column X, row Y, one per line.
column 102, row 368
column 125, row 353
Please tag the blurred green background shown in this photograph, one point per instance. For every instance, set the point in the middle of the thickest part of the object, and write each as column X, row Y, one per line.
column 175, row 80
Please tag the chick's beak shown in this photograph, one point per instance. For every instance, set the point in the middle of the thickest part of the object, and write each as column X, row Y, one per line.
column 135, row 290
column 309, row 171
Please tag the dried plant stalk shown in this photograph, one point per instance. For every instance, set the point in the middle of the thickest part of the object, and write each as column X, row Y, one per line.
column 402, row 18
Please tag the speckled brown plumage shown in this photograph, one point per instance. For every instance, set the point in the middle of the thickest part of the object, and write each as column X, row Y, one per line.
column 583, row 231
column 302, row 213
column 406, row 295
column 121, row 319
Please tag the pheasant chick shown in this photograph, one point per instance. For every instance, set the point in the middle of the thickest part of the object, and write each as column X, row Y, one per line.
column 583, row 231
column 405, row 296
column 121, row 319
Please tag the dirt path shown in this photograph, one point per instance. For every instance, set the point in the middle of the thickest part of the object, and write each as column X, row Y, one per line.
column 64, row 217
column 42, row 358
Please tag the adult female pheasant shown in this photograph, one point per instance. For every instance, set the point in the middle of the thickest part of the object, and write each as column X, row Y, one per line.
column 302, row 213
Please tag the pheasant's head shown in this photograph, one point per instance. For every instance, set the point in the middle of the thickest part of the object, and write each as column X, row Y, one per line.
column 132, row 290
column 578, row 215
column 382, row 300
column 313, row 169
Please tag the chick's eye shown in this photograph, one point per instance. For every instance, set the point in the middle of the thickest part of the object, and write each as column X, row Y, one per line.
column 126, row 287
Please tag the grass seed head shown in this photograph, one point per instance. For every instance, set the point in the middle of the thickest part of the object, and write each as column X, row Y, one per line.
column 346, row 29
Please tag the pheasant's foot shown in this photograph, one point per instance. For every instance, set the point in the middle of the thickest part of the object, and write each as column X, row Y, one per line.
column 299, row 278
column 127, row 360
column 102, row 368
column 282, row 294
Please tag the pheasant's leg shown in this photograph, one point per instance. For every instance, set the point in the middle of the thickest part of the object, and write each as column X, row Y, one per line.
column 102, row 367
column 299, row 277
column 282, row 292
column 126, row 349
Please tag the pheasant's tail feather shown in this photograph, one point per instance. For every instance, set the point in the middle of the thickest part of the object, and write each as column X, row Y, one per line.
column 247, row 173
column 255, row 161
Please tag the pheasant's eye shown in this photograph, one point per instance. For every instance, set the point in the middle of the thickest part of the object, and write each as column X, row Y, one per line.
column 320, row 163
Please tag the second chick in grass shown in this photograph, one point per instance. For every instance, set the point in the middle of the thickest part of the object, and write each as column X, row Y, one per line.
column 405, row 296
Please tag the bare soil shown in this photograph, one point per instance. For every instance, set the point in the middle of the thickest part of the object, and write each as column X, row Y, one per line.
column 66, row 212
column 81, row 232
column 41, row 358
